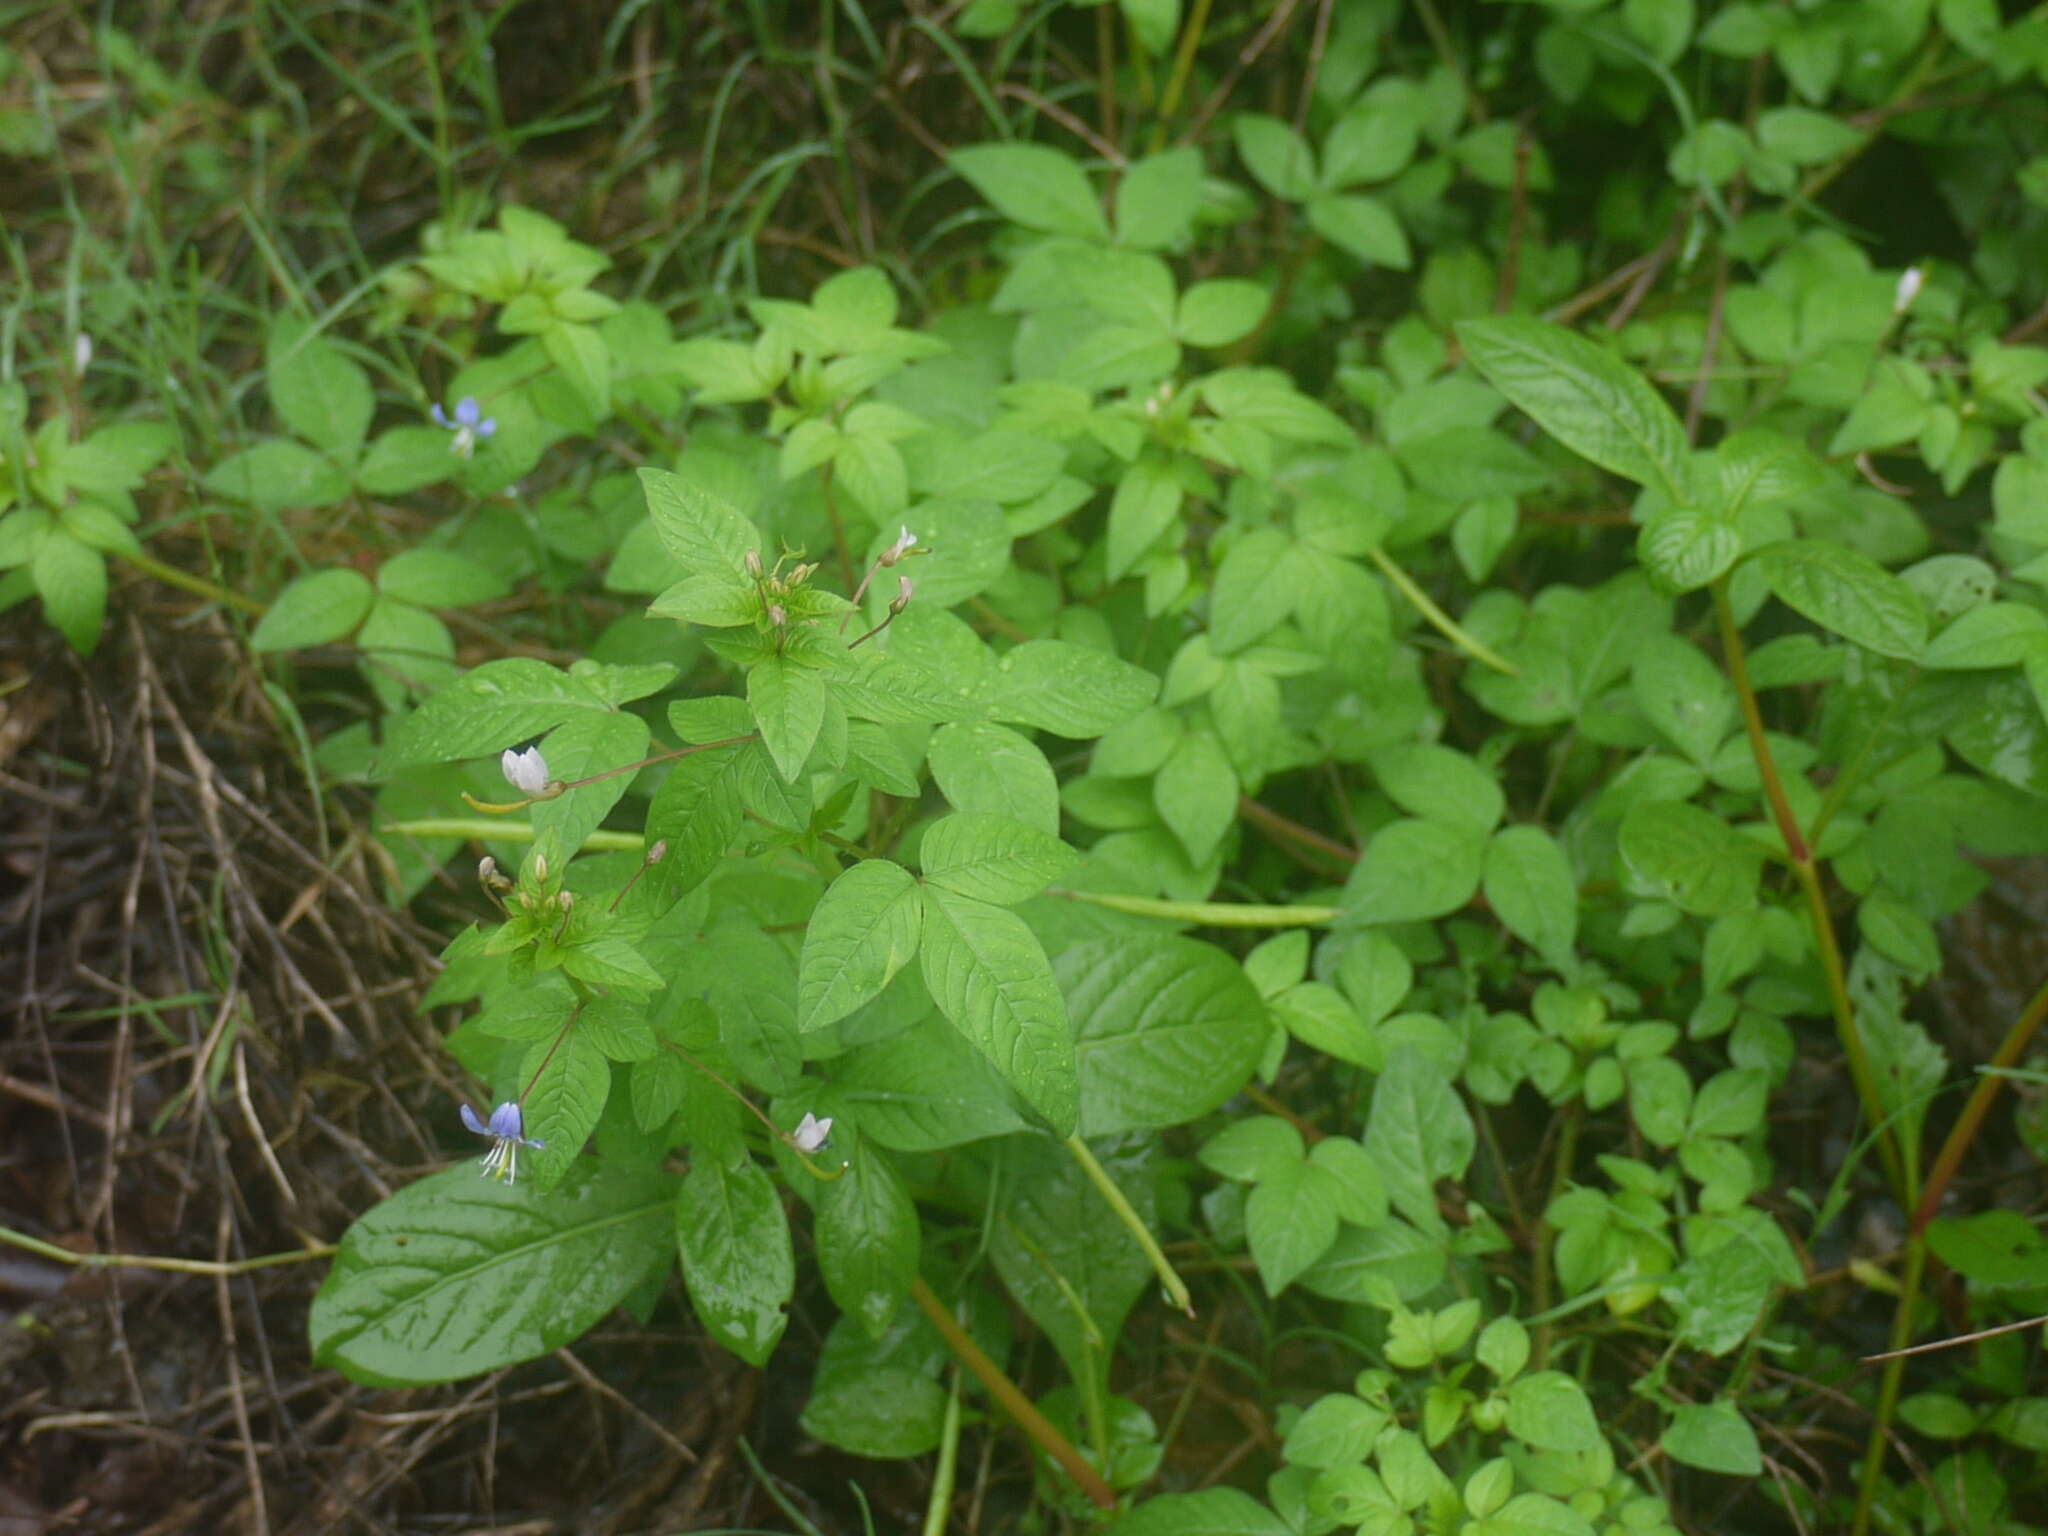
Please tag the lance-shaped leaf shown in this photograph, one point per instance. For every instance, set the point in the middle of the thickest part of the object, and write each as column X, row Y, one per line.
column 863, row 931
column 737, row 1259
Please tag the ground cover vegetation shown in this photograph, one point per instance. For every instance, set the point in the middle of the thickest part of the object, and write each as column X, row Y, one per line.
column 1159, row 767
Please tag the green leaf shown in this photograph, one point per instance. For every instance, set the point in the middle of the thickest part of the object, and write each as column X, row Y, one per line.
column 1212, row 1512
column 315, row 610
column 864, row 930
column 1583, row 396
column 1073, row 1268
column 696, row 812
column 563, row 1087
column 579, row 352
column 1067, row 689
column 702, row 529
column 1549, row 1410
column 278, row 475
column 1157, row 199
column 1685, row 548
column 878, row 1398
column 1290, row 1222
column 1714, row 1437
column 71, row 578
column 1527, row 881
column 992, row 858
column 737, row 1261
column 1362, row 225
column 439, row 578
column 403, row 459
column 1804, row 136
column 1255, row 589
column 1221, row 311
column 921, row 1091
column 1166, row 1029
column 1439, row 785
column 1847, row 594
column 1994, row 635
column 991, row 768
column 867, row 1240
column 1278, row 156
column 1683, row 695
column 1034, row 185
column 1373, row 141
column 1418, row 1131
column 989, row 976
column 1679, row 853
column 494, row 706
column 321, row 393
column 1252, row 1149
column 1413, row 870
column 455, row 1276
column 1146, row 503
column 1196, row 793
column 788, row 702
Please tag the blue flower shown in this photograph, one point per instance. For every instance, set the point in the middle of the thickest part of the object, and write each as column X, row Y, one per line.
column 507, row 1132
column 469, row 424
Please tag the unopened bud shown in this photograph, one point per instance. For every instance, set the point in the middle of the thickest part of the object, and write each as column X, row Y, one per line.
column 658, row 852
column 905, row 543
column 778, row 615
column 904, row 592
column 487, row 873
column 754, row 567
column 565, row 901
column 801, row 575
column 81, row 354
column 1910, row 282
column 540, row 868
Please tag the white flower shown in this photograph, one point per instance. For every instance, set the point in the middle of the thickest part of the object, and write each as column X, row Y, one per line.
column 81, row 354
column 525, row 771
column 811, row 1132
column 1910, row 281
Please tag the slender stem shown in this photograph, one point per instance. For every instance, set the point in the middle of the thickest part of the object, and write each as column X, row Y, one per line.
column 845, row 549
column 1176, row 1288
column 1210, row 914
column 476, row 829
column 171, row 576
column 1888, row 1389
column 1012, row 1401
column 1441, row 621
column 1800, row 854
column 1183, row 68
column 1265, row 816
column 36, row 1245
column 938, row 1508
column 1989, row 1082
column 1561, row 1175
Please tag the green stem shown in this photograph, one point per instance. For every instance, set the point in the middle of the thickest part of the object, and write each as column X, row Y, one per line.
column 1209, row 914
column 1176, row 1288
column 1888, row 1389
column 938, row 1508
column 478, row 829
column 1183, row 68
column 1561, row 1175
column 1989, row 1082
column 171, row 576
column 36, row 1245
column 1800, row 855
column 1012, row 1401
column 1442, row 622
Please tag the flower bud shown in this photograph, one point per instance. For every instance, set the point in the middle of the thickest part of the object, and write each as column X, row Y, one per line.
column 1910, row 282
column 658, row 852
column 904, row 592
column 778, row 615
column 81, row 354
column 525, row 771
column 754, row 567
